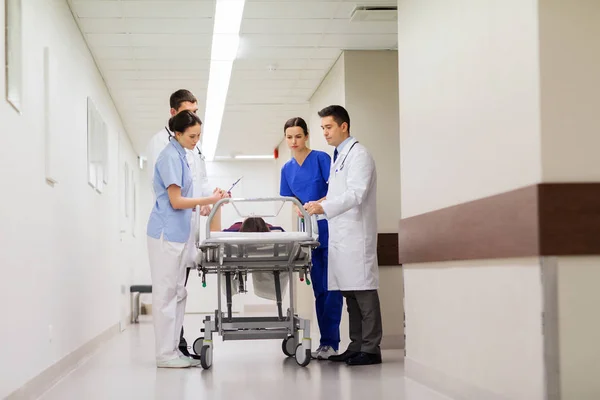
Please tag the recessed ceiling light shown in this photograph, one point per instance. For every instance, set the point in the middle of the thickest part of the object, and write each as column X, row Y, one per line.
column 225, row 43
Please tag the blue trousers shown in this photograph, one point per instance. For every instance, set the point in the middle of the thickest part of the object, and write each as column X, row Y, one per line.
column 328, row 304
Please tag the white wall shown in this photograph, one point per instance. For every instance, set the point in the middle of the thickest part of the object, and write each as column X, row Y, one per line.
column 371, row 86
column 64, row 257
column 331, row 91
column 578, row 299
column 570, row 82
column 469, row 123
column 476, row 324
column 469, row 100
column 366, row 84
column 569, row 65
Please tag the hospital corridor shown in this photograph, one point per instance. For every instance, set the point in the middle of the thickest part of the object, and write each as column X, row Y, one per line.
column 300, row 199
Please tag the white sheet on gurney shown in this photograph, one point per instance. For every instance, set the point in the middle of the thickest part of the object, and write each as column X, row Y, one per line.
column 263, row 282
column 257, row 237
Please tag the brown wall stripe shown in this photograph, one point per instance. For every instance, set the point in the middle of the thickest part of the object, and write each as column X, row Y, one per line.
column 387, row 249
column 540, row 220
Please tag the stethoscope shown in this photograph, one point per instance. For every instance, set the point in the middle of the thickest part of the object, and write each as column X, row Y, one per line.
column 197, row 148
column 346, row 156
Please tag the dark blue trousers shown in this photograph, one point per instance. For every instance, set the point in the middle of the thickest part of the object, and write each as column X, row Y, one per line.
column 328, row 304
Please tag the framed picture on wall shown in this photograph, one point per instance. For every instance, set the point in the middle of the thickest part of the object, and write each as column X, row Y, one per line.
column 52, row 120
column 97, row 149
column 134, row 208
column 13, row 53
column 126, row 189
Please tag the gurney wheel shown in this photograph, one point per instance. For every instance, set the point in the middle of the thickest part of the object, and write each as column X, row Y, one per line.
column 197, row 347
column 302, row 356
column 288, row 346
column 206, row 357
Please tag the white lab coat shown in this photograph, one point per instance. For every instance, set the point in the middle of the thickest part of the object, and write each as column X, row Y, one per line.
column 200, row 181
column 351, row 209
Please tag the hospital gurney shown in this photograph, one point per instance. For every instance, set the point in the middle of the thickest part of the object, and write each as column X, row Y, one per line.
column 240, row 253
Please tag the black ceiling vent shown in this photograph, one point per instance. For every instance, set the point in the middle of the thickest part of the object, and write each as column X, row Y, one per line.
column 374, row 13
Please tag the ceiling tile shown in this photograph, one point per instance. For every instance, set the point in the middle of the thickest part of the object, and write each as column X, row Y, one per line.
column 147, row 49
column 155, row 84
column 113, row 53
column 157, row 64
column 141, row 40
column 295, row 53
column 103, row 25
column 108, row 65
column 174, row 55
column 97, row 9
column 245, row 85
column 171, row 25
column 157, row 75
column 310, row 84
column 370, row 42
column 291, row 10
column 169, row 9
column 343, row 26
column 283, row 26
column 279, row 40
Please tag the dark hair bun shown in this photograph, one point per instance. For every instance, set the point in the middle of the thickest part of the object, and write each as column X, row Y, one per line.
column 183, row 120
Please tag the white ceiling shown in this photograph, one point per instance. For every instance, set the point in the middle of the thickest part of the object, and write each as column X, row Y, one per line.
column 147, row 49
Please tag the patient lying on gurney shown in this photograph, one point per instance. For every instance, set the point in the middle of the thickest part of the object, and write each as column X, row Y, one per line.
column 263, row 282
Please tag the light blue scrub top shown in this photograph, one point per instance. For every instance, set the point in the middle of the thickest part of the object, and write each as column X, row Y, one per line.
column 171, row 168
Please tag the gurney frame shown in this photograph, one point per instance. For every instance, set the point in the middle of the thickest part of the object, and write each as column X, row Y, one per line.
column 227, row 257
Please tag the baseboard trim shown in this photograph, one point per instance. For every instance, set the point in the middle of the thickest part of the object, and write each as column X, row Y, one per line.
column 445, row 384
column 392, row 342
column 53, row 374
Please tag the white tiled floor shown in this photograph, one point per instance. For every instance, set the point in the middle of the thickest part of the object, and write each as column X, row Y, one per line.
column 124, row 369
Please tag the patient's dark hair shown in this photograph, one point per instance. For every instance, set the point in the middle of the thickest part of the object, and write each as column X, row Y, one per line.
column 296, row 121
column 183, row 120
column 254, row 224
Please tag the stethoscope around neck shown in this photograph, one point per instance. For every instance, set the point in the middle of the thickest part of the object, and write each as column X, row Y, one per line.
column 171, row 136
column 341, row 167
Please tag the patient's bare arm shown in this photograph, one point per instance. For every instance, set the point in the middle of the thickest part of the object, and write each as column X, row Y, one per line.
column 215, row 224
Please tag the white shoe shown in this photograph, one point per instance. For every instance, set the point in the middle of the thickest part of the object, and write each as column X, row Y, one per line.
column 326, row 352
column 315, row 354
column 193, row 361
column 180, row 362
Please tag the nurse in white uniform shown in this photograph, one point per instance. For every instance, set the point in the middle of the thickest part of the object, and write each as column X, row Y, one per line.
column 168, row 233
column 181, row 100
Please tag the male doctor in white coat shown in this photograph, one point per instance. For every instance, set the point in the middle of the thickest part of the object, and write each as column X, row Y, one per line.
column 183, row 100
column 351, row 210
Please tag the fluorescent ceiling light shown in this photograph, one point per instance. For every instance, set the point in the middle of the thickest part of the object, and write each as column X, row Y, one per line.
column 224, row 47
column 225, row 43
column 254, row 157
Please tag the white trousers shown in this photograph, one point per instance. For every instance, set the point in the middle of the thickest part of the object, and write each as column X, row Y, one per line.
column 168, row 295
column 190, row 252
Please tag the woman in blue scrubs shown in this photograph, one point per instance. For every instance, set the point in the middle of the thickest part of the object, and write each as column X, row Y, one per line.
column 168, row 232
column 305, row 177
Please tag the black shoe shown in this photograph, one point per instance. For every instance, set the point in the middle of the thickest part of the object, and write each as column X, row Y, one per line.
column 185, row 351
column 363, row 358
column 345, row 356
